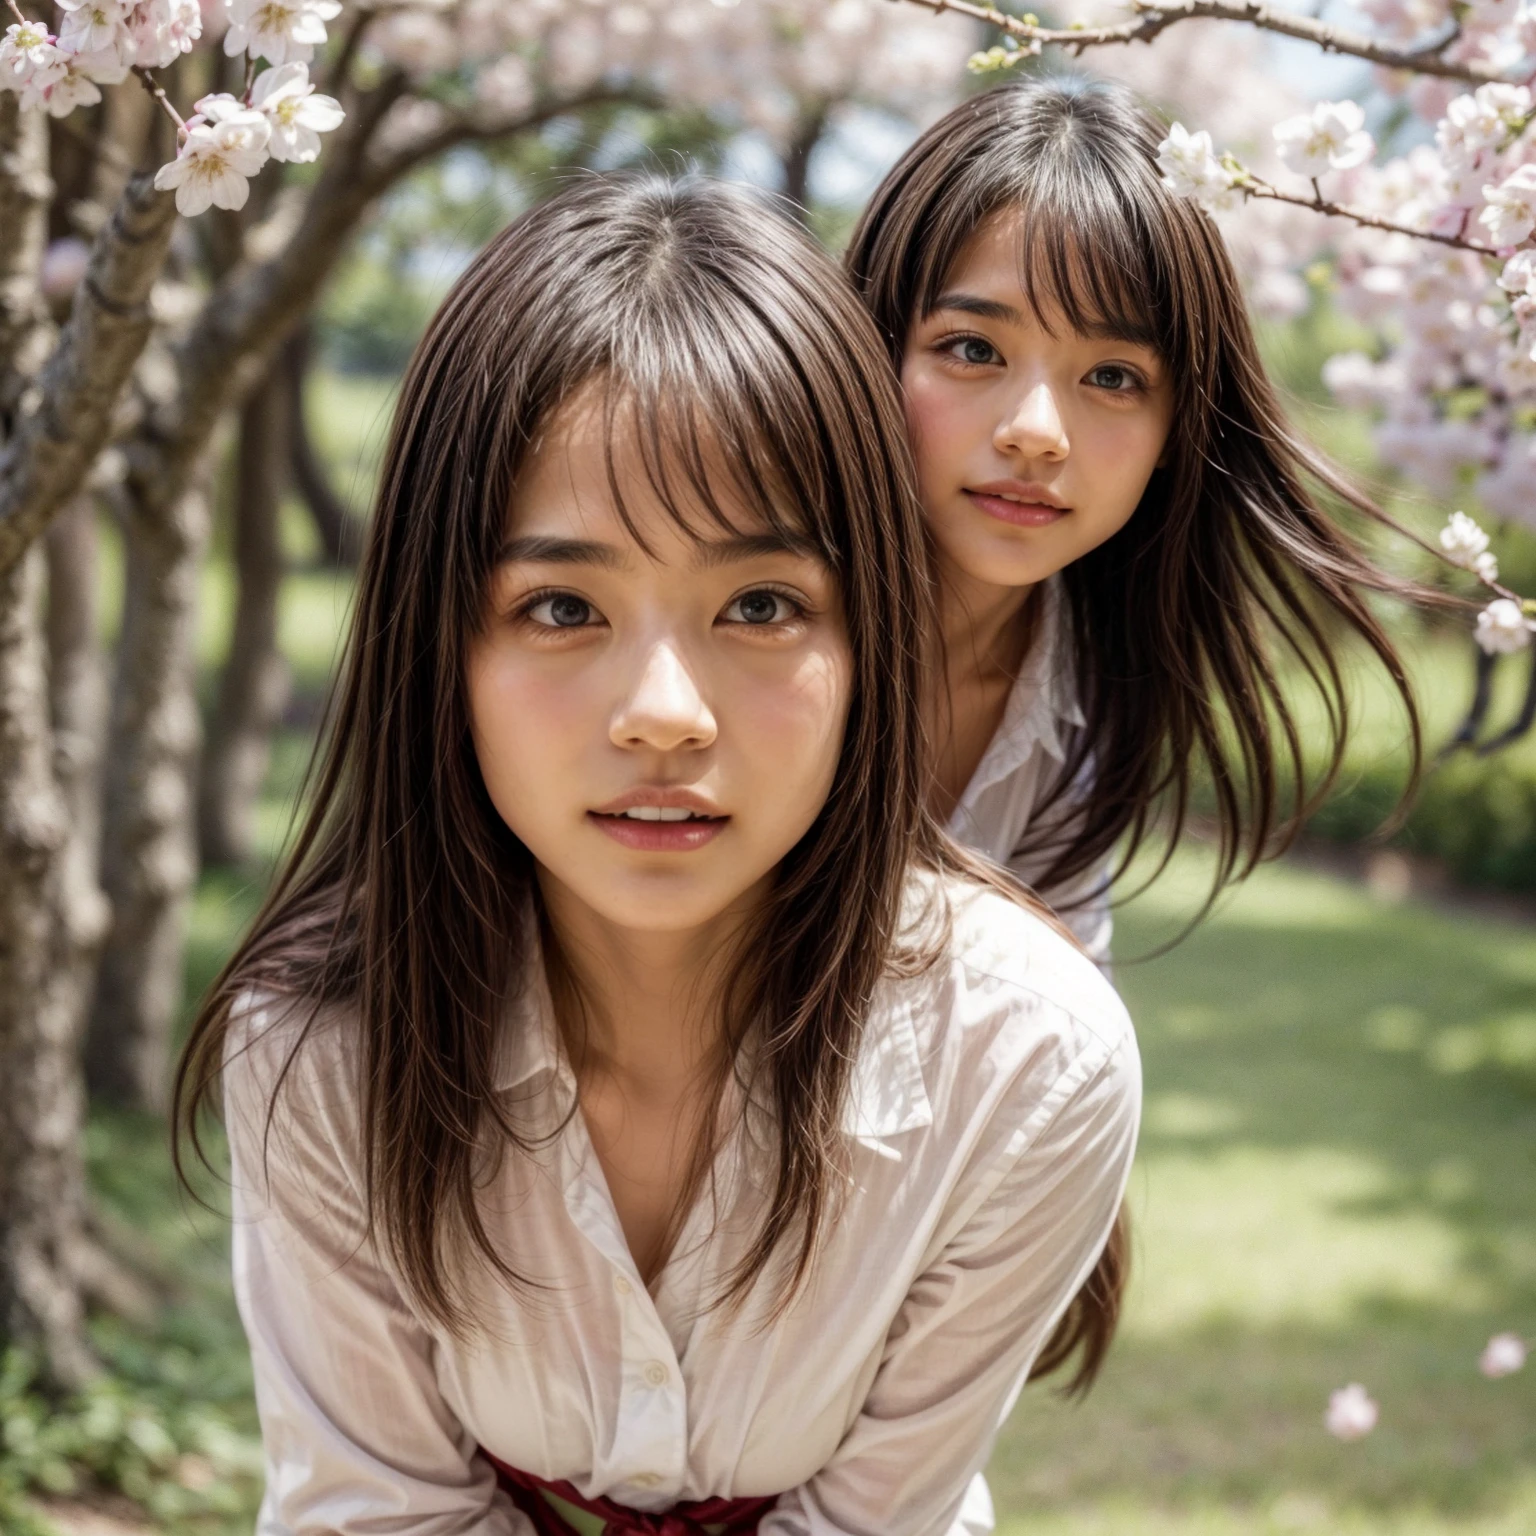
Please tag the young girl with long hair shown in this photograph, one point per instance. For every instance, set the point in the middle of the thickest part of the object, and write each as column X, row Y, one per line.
column 641, row 1117
column 1127, row 531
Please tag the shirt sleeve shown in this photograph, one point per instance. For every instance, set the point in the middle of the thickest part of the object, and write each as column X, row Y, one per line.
column 357, row 1437
column 961, row 1347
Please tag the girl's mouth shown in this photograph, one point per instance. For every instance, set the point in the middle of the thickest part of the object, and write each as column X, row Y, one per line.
column 1022, row 514
column 659, row 828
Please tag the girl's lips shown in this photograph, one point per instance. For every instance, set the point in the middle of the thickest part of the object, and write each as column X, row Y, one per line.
column 1022, row 514
column 659, row 836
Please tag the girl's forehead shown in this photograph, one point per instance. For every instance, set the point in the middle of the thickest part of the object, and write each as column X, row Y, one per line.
column 604, row 467
column 1032, row 264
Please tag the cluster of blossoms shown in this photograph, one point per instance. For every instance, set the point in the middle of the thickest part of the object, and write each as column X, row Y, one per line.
column 1433, row 250
column 228, row 139
column 1352, row 1412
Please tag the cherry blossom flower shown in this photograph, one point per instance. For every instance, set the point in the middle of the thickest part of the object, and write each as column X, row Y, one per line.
column 1510, row 216
column 1463, row 541
column 1502, row 628
column 218, row 159
column 297, row 115
column 92, row 26
column 1351, row 1412
column 62, row 268
column 278, row 30
column 1190, row 167
column 1503, row 1356
column 27, row 51
column 1331, row 137
column 163, row 30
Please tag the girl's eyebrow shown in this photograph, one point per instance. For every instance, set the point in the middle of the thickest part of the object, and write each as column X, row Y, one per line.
column 992, row 309
column 974, row 304
column 543, row 549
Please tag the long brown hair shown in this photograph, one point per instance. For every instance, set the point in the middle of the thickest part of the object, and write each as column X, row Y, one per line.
column 1174, row 619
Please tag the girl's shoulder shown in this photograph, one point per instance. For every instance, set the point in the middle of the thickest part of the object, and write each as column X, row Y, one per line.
column 1009, row 1016
column 288, row 1056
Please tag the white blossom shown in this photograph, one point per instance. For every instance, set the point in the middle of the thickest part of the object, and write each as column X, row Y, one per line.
column 1190, row 168
column 278, row 30
column 29, row 55
column 1351, row 1412
column 1519, row 274
column 1483, row 120
column 286, row 97
column 1502, row 628
column 218, row 159
column 92, row 26
column 1510, row 215
column 163, row 30
column 76, row 84
column 1463, row 541
column 1331, row 137
column 1503, row 1355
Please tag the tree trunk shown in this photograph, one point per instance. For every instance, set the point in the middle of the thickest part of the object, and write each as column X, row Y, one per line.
column 341, row 534
column 41, row 1178
column 78, row 690
column 797, row 157
column 254, row 686
column 149, row 859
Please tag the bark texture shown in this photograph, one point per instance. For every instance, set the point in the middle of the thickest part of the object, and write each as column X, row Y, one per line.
column 41, row 1178
column 253, row 688
column 78, row 705
column 64, row 421
column 149, row 858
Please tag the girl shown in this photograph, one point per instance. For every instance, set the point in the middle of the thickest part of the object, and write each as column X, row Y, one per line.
column 1124, row 523
column 640, row 1120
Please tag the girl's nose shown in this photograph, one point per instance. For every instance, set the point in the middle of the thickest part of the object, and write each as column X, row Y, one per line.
column 665, row 709
column 1034, row 428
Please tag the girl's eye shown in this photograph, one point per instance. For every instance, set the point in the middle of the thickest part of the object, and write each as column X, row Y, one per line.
column 561, row 610
column 761, row 606
column 976, row 350
column 1113, row 377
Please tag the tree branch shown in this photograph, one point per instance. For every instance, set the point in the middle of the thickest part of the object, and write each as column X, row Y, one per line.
column 1156, row 16
column 55, row 443
column 1256, row 186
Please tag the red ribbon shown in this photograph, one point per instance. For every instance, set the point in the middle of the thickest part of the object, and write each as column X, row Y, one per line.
column 725, row 1517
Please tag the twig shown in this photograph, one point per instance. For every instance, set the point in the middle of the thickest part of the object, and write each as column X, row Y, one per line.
column 1426, row 58
column 336, row 75
column 1255, row 186
column 157, row 90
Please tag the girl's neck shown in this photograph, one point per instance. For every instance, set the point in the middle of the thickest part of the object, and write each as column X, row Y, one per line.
column 987, row 629
column 987, row 632
column 649, row 1013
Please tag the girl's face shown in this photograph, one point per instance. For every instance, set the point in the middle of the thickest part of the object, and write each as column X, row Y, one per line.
column 1032, row 448
column 661, row 728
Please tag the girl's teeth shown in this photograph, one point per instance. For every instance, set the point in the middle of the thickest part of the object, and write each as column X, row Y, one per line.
column 658, row 813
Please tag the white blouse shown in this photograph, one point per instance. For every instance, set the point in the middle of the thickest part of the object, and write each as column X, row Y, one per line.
column 990, row 1134
column 1020, row 767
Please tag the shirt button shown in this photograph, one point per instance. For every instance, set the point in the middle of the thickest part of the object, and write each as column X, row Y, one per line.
column 621, row 1284
column 657, row 1374
column 646, row 1479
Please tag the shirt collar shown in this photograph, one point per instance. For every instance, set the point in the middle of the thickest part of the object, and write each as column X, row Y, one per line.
column 1042, row 704
column 886, row 1097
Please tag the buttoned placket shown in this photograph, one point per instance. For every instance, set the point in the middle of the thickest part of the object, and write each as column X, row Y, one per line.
column 647, row 1459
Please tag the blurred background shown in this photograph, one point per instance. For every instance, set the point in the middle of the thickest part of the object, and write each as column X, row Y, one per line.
column 1337, row 1180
